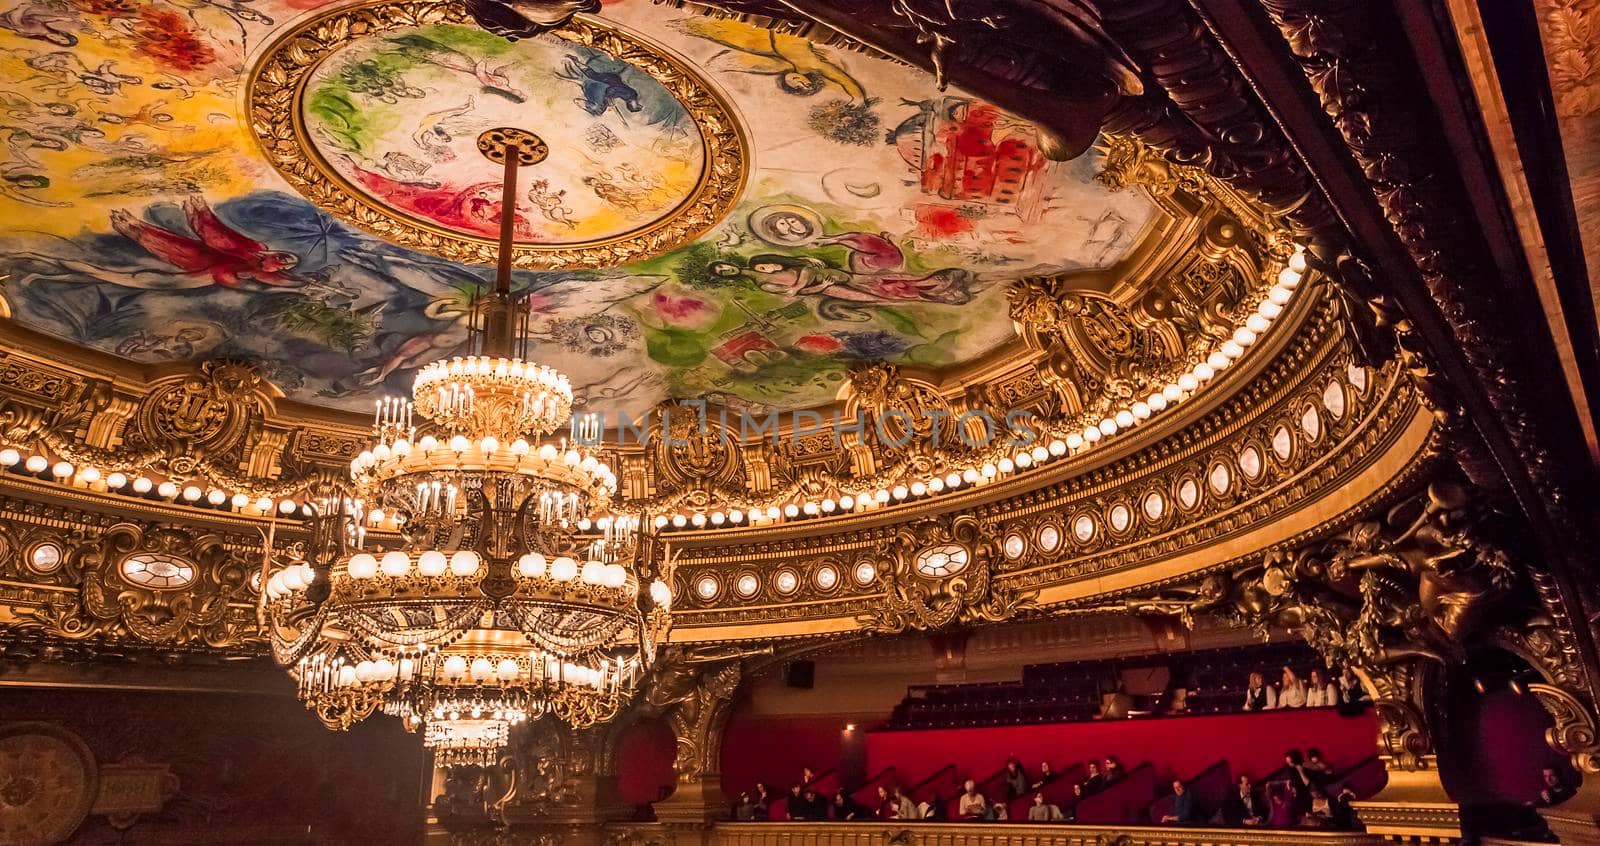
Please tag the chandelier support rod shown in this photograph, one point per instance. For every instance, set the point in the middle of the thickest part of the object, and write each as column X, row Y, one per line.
column 501, row 315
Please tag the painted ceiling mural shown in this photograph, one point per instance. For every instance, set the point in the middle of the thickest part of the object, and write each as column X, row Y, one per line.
column 880, row 219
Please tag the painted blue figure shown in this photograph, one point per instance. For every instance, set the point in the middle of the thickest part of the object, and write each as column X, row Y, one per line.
column 602, row 86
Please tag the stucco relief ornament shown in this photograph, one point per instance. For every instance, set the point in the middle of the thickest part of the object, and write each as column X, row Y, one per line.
column 941, row 574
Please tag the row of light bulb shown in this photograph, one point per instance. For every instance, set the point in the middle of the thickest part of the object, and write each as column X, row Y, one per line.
column 457, row 670
column 465, row 562
column 92, row 477
column 1181, row 388
column 536, row 375
column 487, row 449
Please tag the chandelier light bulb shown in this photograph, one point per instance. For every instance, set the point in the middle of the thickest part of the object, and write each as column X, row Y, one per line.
column 1279, row 296
column 548, row 453
column 1141, row 411
column 459, row 444
column 1230, row 350
column 1023, row 460
column 532, row 566
column 1289, row 278
column 563, row 569
column 772, row 512
column 1298, row 262
column 90, row 475
column 293, row 579
column 240, row 500
column 427, row 443
column 1073, row 442
column 660, row 594
column 1257, row 324
column 811, row 509
column 286, row 506
column 970, row 476
column 1092, row 434
column 362, row 566
column 37, row 464
column 455, row 667
column 661, row 521
column 482, row 670
column 679, row 521
column 464, row 563
column 402, row 448
column 1187, row 383
column 616, row 576
column 989, row 471
column 506, row 671
column 1204, row 372
column 143, row 485
column 395, row 564
column 1219, row 360
column 1269, row 309
column 699, row 520
column 216, row 497
column 63, row 470
column 168, row 490
column 117, row 481
column 432, row 563
column 519, row 447
column 1157, row 402
column 263, row 505
column 917, row 489
column 953, row 480
column 192, row 493
column 1006, row 465
column 1040, row 454
column 9, row 457
column 489, row 445
column 1124, row 419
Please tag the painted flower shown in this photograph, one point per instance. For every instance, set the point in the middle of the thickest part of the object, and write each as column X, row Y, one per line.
column 879, row 344
column 683, row 310
column 818, row 344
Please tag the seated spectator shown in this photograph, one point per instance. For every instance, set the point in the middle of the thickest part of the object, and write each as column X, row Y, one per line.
column 744, row 810
column 1258, row 696
column 807, row 776
column 845, row 807
column 1243, row 807
column 1344, row 813
column 762, row 800
column 1299, row 780
column 812, row 806
column 1291, row 691
column 1113, row 769
column 932, row 809
column 1320, row 693
column 1280, row 805
column 1046, row 775
column 1320, row 814
column 796, row 797
column 973, row 805
column 999, row 812
column 1183, row 810
column 905, row 808
column 1351, row 692
column 1316, row 769
column 888, row 808
column 1093, row 781
column 1042, row 811
column 1555, row 790
column 1016, row 778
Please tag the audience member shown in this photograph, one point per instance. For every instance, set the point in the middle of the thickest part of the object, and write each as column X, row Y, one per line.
column 744, row 810
column 1046, row 775
column 1344, row 813
column 887, row 809
column 1299, row 779
column 1258, row 696
column 973, row 805
column 999, row 812
column 1093, row 780
column 933, row 808
column 1183, row 810
column 1291, row 691
column 794, row 799
column 1280, row 805
column 1113, row 769
column 1556, row 789
column 1320, row 814
column 810, row 807
column 905, row 807
column 1316, row 769
column 1351, row 692
column 845, row 807
column 1042, row 811
column 1016, row 778
column 1178, row 701
column 1321, row 693
column 762, row 800
column 1243, row 807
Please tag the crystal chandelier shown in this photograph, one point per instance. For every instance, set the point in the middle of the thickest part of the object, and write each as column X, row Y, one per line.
column 501, row 585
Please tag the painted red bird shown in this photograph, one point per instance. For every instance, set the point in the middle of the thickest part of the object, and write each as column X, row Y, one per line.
column 216, row 251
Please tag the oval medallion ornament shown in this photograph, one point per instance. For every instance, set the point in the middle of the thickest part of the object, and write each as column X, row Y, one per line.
column 937, row 562
column 374, row 114
column 157, row 571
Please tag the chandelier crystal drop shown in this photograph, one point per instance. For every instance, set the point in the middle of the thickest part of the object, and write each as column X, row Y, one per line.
column 473, row 575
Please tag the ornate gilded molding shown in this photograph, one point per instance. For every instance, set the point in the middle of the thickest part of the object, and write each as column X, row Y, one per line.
column 939, row 573
column 277, row 120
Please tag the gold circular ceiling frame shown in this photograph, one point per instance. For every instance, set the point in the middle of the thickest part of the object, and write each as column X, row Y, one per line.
column 278, row 124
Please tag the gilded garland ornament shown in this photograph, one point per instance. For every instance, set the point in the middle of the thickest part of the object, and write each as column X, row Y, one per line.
column 277, row 97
